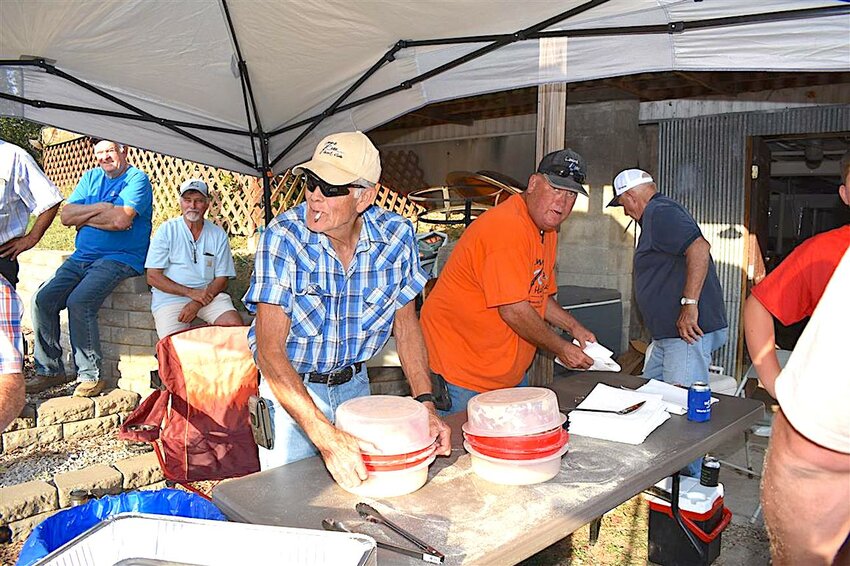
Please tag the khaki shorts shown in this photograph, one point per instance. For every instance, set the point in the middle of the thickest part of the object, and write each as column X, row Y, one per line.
column 166, row 321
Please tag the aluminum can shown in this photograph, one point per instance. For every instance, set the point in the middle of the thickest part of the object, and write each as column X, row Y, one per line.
column 710, row 472
column 699, row 402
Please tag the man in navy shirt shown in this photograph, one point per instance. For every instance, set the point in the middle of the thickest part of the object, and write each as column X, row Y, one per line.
column 676, row 284
column 111, row 209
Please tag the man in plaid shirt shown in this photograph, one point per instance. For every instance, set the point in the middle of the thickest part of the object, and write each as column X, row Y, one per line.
column 11, row 358
column 333, row 278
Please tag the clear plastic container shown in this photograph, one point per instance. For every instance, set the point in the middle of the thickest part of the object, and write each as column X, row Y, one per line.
column 515, row 472
column 394, row 425
column 394, row 483
column 516, row 411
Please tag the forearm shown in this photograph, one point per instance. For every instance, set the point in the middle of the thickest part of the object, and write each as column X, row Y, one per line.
column 113, row 219
column 42, row 222
column 217, row 285
column 697, row 258
column 560, row 317
column 761, row 342
column 13, row 396
column 79, row 214
column 156, row 278
column 525, row 321
column 411, row 350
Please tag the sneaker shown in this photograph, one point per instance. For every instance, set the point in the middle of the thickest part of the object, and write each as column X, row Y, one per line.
column 90, row 388
column 41, row 382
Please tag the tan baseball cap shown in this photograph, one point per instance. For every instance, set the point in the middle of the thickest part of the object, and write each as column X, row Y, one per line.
column 343, row 158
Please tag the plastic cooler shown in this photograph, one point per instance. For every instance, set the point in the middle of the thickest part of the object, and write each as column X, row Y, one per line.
column 703, row 514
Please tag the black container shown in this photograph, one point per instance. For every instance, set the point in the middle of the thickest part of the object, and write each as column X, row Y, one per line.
column 710, row 472
column 670, row 546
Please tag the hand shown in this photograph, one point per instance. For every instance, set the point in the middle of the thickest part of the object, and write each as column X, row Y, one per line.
column 16, row 246
column 438, row 428
column 202, row 296
column 189, row 312
column 574, row 358
column 687, row 325
column 341, row 453
column 583, row 335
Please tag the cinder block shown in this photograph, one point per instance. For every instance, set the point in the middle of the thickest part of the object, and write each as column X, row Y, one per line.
column 65, row 409
column 137, row 384
column 22, row 529
column 90, row 427
column 132, row 336
column 139, row 302
column 136, row 284
column 115, row 402
column 143, row 320
column 143, row 354
column 26, row 499
column 25, row 420
column 113, row 351
column 139, row 471
column 112, row 317
column 40, row 435
column 99, row 477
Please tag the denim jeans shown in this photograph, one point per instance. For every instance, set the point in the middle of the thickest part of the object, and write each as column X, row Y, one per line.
column 290, row 441
column 81, row 287
column 460, row 396
column 675, row 361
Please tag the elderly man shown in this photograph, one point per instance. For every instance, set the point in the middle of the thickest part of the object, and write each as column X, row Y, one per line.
column 111, row 209
column 11, row 357
column 188, row 265
column 24, row 190
column 333, row 277
column 487, row 313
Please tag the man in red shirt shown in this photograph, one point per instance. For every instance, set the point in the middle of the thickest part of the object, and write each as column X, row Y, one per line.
column 806, row 515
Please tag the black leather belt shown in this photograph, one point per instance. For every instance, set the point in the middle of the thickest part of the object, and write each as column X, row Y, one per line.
column 335, row 378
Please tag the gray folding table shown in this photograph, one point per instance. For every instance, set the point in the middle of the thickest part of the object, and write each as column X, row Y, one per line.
column 471, row 520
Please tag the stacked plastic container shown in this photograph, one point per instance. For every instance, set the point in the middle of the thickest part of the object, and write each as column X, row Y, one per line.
column 397, row 447
column 515, row 436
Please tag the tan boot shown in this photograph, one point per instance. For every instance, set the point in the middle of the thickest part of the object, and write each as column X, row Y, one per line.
column 90, row 388
column 41, row 382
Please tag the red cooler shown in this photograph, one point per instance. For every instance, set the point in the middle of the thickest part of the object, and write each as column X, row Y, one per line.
column 702, row 513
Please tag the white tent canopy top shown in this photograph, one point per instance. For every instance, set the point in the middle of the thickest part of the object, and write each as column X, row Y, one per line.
column 252, row 85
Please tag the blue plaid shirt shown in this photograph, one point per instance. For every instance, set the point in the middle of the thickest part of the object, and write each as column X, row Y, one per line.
column 338, row 318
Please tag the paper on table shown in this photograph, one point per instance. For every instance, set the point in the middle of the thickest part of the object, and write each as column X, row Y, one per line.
column 632, row 428
column 675, row 398
column 601, row 357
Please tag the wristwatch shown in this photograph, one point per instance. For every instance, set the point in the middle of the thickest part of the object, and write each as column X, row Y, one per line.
column 687, row 301
column 425, row 397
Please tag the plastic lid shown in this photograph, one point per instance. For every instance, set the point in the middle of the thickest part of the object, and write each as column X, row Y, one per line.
column 394, row 425
column 518, row 453
column 531, row 462
column 513, row 412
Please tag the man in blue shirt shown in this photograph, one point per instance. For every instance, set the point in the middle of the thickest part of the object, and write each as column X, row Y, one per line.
column 333, row 277
column 111, row 209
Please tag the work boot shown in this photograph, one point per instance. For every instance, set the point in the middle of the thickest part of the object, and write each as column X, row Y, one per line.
column 41, row 382
column 90, row 388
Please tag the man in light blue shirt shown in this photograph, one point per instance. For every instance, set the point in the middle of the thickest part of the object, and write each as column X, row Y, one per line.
column 188, row 265
column 111, row 208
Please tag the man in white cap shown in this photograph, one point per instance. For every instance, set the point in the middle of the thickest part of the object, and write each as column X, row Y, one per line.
column 188, row 265
column 676, row 285
column 333, row 277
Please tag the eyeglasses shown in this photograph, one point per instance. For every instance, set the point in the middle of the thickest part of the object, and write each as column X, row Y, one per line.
column 571, row 168
column 313, row 182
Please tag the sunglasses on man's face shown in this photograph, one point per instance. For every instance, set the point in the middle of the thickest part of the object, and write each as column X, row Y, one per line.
column 327, row 189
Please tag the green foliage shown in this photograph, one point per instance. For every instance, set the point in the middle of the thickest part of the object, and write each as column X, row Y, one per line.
column 19, row 132
column 57, row 236
column 238, row 286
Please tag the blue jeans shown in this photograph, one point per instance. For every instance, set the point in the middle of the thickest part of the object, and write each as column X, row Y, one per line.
column 81, row 287
column 675, row 361
column 290, row 441
column 460, row 396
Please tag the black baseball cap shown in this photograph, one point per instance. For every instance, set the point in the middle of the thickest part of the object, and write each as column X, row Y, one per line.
column 564, row 169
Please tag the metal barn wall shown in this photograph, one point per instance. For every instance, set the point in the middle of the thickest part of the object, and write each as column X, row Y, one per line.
column 703, row 165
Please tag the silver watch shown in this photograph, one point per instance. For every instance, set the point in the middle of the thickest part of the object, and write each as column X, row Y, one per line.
column 687, row 301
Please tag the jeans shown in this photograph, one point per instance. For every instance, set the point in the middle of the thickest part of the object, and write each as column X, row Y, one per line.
column 81, row 287
column 460, row 396
column 290, row 441
column 675, row 361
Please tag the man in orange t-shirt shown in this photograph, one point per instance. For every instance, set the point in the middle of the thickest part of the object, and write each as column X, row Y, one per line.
column 487, row 314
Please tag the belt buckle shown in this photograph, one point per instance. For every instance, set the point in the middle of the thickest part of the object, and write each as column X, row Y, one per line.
column 340, row 377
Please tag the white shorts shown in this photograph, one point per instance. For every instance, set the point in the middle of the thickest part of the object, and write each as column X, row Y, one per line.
column 166, row 321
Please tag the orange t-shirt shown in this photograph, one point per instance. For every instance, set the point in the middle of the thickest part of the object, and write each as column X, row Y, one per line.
column 501, row 259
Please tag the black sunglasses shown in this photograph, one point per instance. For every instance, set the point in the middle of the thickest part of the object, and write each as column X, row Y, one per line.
column 313, row 182
column 572, row 169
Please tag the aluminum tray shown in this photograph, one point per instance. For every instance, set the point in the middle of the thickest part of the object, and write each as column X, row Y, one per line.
column 142, row 539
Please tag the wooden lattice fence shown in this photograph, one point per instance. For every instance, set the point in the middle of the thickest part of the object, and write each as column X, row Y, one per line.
column 236, row 199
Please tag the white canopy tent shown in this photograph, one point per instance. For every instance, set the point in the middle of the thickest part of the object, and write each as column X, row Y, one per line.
column 252, row 85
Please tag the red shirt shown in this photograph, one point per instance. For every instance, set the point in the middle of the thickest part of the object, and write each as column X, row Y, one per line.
column 792, row 291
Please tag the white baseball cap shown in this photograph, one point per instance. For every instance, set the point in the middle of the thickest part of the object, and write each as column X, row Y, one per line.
column 343, row 158
column 628, row 179
column 194, row 185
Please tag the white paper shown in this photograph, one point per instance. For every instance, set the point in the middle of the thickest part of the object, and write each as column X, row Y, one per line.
column 632, row 428
column 675, row 398
column 601, row 355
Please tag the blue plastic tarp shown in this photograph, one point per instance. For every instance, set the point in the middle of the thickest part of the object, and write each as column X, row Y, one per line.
column 65, row 525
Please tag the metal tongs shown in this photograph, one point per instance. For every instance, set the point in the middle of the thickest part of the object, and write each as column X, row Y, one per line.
column 626, row 411
column 428, row 553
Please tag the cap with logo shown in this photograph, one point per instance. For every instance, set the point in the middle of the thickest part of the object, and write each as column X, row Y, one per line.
column 564, row 169
column 343, row 158
column 626, row 180
column 194, row 185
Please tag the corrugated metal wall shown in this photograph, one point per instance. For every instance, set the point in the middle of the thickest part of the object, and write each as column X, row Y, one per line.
column 703, row 165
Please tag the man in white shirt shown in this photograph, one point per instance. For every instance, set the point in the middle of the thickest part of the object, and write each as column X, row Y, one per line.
column 188, row 265
column 24, row 190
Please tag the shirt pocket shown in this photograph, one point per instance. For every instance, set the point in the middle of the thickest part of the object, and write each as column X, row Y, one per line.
column 308, row 312
column 209, row 267
column 378, row 308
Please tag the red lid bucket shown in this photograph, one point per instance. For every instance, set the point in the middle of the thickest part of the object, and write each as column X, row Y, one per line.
column 520, row 447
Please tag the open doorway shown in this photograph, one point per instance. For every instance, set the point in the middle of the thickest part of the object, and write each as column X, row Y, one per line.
column 795, row 201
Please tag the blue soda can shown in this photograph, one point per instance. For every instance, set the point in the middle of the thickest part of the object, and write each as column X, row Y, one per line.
column 699, row 402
